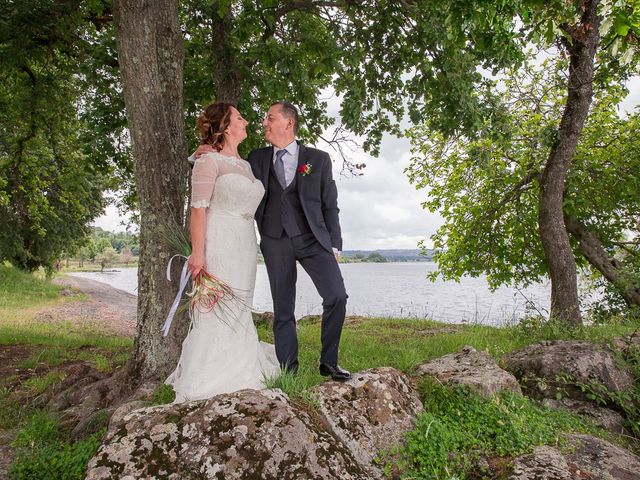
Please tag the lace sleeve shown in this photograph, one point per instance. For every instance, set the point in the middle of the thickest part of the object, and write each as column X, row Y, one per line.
column 203, row 179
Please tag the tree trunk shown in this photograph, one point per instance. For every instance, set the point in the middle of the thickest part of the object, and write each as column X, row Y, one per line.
column 151, row 56
column 553, row 234
column 226, row 74
column 591, row 247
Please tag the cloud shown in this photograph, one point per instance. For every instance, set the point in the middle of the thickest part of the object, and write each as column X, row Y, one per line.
column 381, row 209
column 632, row 100
column 112, row 221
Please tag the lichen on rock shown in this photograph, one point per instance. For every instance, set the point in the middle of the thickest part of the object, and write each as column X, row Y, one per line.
column 242, row 435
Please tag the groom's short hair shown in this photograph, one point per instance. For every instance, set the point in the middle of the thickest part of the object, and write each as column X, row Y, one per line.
column 289, row 111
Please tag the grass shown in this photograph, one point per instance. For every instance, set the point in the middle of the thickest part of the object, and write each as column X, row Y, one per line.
column 455, row 423
column 103, row 358
column 457, row 427
column 43, row 449
column 16, row 286
column 162, row 395
column 40, row 384
column 403, row 344
column 21, row 296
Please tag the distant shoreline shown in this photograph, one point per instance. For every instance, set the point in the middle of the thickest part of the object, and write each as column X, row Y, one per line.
column 117, row 268
column 391, row 289
column 347, row 256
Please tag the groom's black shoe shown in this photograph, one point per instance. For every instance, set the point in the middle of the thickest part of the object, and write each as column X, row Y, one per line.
column 335, row 371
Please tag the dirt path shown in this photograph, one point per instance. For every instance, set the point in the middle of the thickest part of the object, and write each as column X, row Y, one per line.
column 107, row 308
column 7, row 453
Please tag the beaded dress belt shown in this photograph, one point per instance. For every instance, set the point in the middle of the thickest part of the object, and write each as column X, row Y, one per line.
column 246, row 216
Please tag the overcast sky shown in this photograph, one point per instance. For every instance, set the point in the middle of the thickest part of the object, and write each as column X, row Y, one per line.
column 379, row 209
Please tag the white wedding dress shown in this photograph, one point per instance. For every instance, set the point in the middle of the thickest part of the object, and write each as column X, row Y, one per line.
column 222, row 352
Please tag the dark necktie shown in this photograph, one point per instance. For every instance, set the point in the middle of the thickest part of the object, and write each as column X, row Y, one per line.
column 279, row 168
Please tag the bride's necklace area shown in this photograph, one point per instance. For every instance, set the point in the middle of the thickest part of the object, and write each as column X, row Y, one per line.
column 233, row 154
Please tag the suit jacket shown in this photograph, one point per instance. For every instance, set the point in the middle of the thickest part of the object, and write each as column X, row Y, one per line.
column 317, row 192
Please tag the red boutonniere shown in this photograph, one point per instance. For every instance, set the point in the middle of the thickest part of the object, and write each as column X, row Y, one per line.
column 304, row 169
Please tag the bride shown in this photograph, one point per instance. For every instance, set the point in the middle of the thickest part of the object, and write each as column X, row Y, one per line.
column 222, row 352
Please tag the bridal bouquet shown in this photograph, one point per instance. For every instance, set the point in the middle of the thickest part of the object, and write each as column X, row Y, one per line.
column 207, row 291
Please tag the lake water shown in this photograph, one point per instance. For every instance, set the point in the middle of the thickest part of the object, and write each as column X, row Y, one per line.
column 392, row 289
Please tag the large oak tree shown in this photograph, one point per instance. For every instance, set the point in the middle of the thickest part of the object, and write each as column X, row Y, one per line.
column 151, row 57
column 50, row 183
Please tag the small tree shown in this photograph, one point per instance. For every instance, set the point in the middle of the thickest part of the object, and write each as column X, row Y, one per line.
column 126, row 255
column 592, row 36
column 376, row 257
column 107, row 258
column 101, row 245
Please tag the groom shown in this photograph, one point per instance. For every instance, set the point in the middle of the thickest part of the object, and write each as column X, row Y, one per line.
column 298, row 221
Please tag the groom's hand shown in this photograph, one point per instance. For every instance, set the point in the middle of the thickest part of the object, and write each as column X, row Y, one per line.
column 336, row 253
column 203, row 149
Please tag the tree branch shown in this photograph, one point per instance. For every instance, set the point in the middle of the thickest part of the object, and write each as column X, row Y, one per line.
column 623, row 245
column 593, row 251
column 312, row 5
column 100, row 21
column 517, row 189
column 340, row 142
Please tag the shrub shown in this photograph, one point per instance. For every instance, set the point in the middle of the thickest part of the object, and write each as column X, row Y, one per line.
column 163, row 394
column 458, row 425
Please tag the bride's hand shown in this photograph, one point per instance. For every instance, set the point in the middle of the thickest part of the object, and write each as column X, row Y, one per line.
column 196, row 263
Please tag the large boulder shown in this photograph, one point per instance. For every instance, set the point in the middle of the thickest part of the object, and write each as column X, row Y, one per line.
column 473, row 369
column 545, row 463
column 590, row 458
column 555, row 369
column 117, row 418
column 602, row 459
column 601, row 416
column 369, row 413
column 627, row 343
column 242, row 435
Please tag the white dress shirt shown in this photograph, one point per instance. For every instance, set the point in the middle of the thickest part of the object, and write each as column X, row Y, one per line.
column 289, row 159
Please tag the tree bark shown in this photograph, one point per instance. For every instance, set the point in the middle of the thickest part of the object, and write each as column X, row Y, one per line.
column 151, row 57
column 591, row 247
column 553, row 234
column 226, row 74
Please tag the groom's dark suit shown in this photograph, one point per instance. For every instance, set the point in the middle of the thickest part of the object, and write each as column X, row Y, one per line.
column 300, row 222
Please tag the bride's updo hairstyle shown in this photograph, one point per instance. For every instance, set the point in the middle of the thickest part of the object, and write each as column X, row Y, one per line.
column 212, row 123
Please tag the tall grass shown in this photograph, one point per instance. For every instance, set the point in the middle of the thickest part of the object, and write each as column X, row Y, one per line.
column 22, row 295
column 19, row 289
